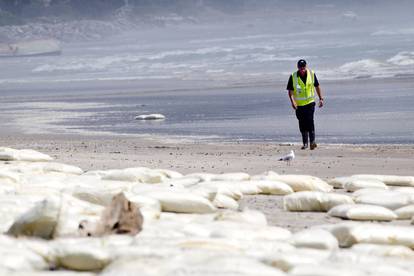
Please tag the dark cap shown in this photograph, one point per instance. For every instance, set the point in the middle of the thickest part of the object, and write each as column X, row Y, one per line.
column 301, row 63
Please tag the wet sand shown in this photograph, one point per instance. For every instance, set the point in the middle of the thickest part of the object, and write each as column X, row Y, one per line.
column 184, row 156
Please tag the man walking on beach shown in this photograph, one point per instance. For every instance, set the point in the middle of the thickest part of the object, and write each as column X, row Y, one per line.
column 301, row 87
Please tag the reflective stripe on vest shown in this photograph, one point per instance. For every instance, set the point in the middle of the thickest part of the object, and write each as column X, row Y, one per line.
column 304, row 93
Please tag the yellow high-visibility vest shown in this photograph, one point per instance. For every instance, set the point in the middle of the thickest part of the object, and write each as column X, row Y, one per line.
column 304, row 93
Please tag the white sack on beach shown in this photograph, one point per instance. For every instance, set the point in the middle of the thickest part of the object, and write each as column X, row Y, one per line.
column 301, row 256
column 8, row 177
column 406, row 212
column 354, row 184
column 245, row 231
column 182, row 202
column 155, row 116
column 251, row 217
column 314, row 238
column 40, row 221
column 17, row 259
column 186, row 182
column 314, row 201
column 227, row 189
column 207, row 264
column 97, row 174
column 222, row 201
column 385, row 198
column 383, row 250
column 146, row 265
column 7, row 189
column 201, row 176
column 97, row 196
column 192, row 263
column 326, row 270
column 206, row 192
column 81, row 254
column 41, row 167
column 160, row 233
column 350, row 233
column 339, row 182
column 367, row 191
column 139, row 174
column 237, row 176
column 262, row 249
column 41, row 184
column 9, row 154
column 304, row 182
column 374, row 266
column 222, row 187
column 49, row 273
column 362, row 212
column 392, row 180
column 246, row 187
column 46, row 167
column 370, row 264
column 233, row 189
column 225, row 177
column 12, row 206
column 150, row 208
column 268, row 175
column 94, row 190
column 184, row 218
column 9, row 181
column 72, row 212
column 210, row 245
column 272, row 187
column 169, row 173
column 404, row 190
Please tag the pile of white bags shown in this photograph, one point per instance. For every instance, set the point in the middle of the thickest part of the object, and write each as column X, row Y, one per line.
column 193, row 224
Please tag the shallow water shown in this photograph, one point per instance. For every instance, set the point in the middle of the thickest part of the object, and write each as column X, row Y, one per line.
column 225, row 80
column 362, row 111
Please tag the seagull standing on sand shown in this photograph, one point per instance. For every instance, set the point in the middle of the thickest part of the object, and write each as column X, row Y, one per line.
column 289, row 157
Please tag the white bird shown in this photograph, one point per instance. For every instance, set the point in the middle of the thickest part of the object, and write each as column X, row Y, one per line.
column 288, row 157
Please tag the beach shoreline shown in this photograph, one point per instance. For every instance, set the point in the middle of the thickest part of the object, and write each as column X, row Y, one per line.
column 188, row 156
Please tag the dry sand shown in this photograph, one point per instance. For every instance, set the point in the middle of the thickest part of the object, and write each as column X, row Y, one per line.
column 328, row 160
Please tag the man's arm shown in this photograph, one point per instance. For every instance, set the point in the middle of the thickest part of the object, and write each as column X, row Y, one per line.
column 292, row 100
column 319, row 92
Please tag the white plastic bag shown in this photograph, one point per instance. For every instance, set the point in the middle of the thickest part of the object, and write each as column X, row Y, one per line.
column 314, row 201
column 9, row 154
column 362, row 212
column 39, row 221
column 314, row 238
column 304, row 182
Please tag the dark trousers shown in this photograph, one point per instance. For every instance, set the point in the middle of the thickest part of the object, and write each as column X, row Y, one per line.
column 306, row 124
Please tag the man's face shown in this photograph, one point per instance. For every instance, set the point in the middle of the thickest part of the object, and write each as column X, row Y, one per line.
column 302, row 70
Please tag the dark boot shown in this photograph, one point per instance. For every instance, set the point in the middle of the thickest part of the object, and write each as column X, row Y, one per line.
column 312, row 140
column 304, row 140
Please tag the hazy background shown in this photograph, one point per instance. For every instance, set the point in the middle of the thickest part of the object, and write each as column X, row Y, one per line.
column 214, row 68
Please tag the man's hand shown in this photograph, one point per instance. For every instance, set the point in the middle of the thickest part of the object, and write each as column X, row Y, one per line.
column 292, row 100
column 320, row 103
column 319, row 91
